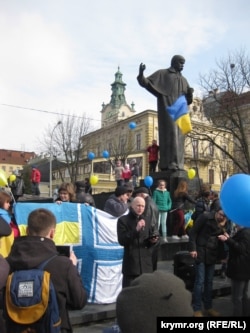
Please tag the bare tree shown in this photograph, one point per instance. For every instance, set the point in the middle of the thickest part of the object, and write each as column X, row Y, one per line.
column 226, row 103
column 121, row 149
column 65, row 141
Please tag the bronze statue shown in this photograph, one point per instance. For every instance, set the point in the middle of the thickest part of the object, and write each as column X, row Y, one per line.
column 167, row 85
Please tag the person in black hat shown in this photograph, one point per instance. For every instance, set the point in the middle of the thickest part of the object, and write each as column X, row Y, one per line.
column 117, row 203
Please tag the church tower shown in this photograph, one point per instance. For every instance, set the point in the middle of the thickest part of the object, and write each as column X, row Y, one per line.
column 117, row 109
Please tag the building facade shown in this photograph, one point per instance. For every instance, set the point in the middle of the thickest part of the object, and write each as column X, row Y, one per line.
column 125, row 142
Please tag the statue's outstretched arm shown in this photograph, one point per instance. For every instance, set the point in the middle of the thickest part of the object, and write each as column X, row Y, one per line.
column 142, row 68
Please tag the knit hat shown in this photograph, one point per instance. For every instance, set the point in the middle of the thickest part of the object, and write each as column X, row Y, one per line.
column 141, row 190
column 149, row 296
column 120, row 190
column 5, row 229
column 129, row 186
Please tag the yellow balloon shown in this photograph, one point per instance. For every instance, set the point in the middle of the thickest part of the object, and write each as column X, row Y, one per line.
column 3, row 178
column 12, row 178
column 93, row 180
column 191, row 173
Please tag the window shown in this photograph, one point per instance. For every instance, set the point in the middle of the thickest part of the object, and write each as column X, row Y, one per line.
column 223, row 154
column 87, row 168
column 101, row 167
column 211, row 176
column 122, row 145
column 138, row 141
column 211, row 149
column 98, row 150
column 195, row 148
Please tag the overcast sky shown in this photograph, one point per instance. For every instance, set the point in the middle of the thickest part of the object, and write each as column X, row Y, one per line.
column 60, row 56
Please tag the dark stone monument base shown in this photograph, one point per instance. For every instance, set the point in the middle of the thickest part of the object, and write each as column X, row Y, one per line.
column 172, row 177
column 168, row 250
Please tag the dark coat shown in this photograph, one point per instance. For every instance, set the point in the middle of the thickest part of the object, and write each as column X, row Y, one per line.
column 203, row 239
column 215, row 205
column 238, row 265
column 179, row 201
column 151, row 213
column 201, row 206
column 4, row 271
column 137, row 257
column 30, row 251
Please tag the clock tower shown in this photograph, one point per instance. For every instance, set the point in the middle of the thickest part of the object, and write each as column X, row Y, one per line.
column 117, row 109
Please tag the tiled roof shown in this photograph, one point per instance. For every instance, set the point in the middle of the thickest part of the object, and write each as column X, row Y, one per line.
column 15, row 157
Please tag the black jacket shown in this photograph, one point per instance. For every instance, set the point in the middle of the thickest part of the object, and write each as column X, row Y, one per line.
column 179, row 201
column 238, row 266
column 137, row 257
column 201, row 206
column 203, row 239
column 151, row 213
column 30, row 251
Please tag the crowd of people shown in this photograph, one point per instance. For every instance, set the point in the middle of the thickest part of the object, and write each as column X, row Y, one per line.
column 141, row 228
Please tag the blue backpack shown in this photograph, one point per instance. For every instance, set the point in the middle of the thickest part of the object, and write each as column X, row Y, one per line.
column 30, row 302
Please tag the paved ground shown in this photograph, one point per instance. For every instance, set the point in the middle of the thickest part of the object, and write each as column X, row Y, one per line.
column 221, row 304
column 95, row 317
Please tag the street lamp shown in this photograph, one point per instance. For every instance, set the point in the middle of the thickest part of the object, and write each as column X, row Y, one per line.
column 50, row 159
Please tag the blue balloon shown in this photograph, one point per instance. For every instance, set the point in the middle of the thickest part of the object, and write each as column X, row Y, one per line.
column 148, row 181
column 235, row 199
column 91, row 155
column 132, row 125
column 105, row 154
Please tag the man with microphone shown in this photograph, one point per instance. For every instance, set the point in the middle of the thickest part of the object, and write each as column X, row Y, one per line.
column 134, row 233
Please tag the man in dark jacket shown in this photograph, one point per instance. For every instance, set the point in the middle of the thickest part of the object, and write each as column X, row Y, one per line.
column 151, row 213
column 238, row 269
column 134, row 233
column 203, row 202
column 206, row 248
column 30, row 251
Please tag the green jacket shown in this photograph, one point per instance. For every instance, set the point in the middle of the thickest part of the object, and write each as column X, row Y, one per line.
column 162, row 200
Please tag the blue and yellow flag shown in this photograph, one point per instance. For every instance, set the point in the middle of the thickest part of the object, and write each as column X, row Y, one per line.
column 93, row 236
column 179, row 113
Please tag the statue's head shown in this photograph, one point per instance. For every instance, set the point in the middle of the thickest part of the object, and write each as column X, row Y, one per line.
column 177, row 62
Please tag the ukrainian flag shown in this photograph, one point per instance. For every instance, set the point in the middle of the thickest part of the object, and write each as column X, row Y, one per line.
column 179, row 113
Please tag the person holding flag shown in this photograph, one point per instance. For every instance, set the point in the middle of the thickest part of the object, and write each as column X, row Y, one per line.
column 173, row 95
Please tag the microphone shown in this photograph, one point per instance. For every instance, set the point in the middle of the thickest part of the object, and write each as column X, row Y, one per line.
column 138, row 219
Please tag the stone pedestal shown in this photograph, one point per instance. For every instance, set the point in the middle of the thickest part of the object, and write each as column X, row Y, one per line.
column 172, row 178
